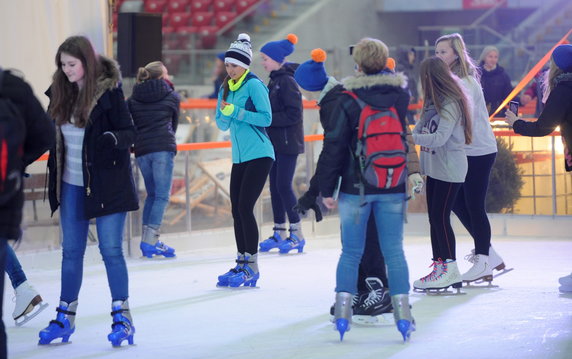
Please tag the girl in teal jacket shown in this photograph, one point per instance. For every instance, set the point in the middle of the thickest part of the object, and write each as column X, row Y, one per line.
column 244, row 108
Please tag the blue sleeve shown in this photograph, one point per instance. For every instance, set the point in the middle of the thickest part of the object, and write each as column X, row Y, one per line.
column 222, row 121
column 258, row 93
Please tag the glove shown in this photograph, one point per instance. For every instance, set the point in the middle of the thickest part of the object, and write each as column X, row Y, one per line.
column 416, row 182
column 307, row 202
column 106, row 141
column 228, row 110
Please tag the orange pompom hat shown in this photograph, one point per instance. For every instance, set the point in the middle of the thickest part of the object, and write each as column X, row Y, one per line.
column 390, row 64
column 278, row 50
column 311, row 75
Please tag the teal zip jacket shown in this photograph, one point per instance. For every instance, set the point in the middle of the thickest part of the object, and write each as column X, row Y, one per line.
column 248, row 121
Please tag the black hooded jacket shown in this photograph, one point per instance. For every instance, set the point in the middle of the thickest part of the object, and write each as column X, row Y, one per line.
column 287, row 129
column 496, row 87
column 154, row 106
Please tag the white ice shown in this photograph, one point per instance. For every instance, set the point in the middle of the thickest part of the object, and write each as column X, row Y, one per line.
column 179, row 313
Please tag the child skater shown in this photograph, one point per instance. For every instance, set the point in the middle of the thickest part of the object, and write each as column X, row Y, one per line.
column 244, row 108
column 287, row 136
column 442, row 132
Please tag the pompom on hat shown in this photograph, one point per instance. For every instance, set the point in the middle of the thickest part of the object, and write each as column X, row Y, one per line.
column 311, row 75
column 279, row 50
column 240, row 52
column 562, row 57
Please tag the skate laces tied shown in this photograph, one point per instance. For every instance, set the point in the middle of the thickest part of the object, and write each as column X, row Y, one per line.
column 433, row 274
column 373, row 297
column 472, row 257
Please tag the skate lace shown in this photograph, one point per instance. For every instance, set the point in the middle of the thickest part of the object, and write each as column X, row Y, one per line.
column 433, row 275
column 471, row 257
column 373, row 297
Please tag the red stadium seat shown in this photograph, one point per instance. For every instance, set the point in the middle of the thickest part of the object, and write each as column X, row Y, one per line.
column 202, row 18
column 155, row 5
column 187, row 30
column 208, row 36
column 178, row 19
column 200, row 5
column 224, row 5
column 166, row 18
column 167, row 30
column 177, row 5
column 224, row 17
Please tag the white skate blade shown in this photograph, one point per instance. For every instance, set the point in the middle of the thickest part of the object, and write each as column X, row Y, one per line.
column 368, row 320
column 476, row 283
column 25, row 318
column 438, row 291
column 503, row 271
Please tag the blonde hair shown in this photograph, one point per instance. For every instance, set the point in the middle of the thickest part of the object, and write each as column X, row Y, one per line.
column 549, row 79
column 371, row 55
column 151, row 71
column 486, row 51
column 464, row 65
column 439, row 85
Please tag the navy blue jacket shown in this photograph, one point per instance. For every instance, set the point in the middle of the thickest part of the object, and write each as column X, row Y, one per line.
column 154, row 106
column 496, row 87
column 287, row 129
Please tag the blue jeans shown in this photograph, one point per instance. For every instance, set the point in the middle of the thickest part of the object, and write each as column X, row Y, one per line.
column 157, row 171
column 388, row 210
column 110, row 234
column 13, row 268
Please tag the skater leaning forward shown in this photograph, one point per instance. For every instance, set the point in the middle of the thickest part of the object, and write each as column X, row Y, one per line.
column 244, row 108
column 442, row 132
column 372, row 88
column 90, row 177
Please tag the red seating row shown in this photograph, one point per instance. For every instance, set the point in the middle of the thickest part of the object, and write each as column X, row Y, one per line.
column 197, row 5
column 197, row 19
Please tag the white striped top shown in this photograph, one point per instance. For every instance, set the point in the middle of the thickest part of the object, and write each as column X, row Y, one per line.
column 73, row 140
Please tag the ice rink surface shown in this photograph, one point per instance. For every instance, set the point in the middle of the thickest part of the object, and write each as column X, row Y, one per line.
column 179, row 313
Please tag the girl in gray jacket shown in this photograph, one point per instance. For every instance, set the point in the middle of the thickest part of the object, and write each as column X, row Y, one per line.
column 442, row 133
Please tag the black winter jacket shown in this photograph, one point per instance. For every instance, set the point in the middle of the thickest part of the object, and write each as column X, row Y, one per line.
column 154, row 107
column 287, row 129
column 557, row 112
column 39, row 138
column 337, row 159
column 496, row 87
column 107, row 174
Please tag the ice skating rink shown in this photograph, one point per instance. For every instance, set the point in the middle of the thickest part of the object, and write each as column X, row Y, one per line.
column 179, row 313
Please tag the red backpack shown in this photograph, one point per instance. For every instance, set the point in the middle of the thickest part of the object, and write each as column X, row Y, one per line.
column 381, row 148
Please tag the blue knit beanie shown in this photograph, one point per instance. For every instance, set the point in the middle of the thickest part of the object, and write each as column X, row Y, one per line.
column 562, row 57
column 278, row 50
column 311, row 75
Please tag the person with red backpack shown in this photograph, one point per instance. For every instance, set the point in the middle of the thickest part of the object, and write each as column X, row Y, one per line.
column 373, row 177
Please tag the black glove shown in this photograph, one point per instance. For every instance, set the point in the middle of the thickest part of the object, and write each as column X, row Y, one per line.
column 307, row 202
column 106, row 141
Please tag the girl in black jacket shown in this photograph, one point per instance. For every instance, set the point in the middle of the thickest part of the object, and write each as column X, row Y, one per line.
column 287, row 136
column 90, row 177
column 154, row 106
column 494, row 79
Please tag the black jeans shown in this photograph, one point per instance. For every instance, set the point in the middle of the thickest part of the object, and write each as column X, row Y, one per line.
column 441, row 196
column 372, row 261
column 470, row 203
column 247, row 180
column 281, row 193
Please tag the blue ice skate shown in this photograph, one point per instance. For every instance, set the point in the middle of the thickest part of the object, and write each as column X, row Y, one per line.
column 244, row 276
column 159, row 249
column 402, row 314
column 405, row 327
column 223, row 278
column 275, row 241
column 342, row 326
column 293, row 242
column 122, row 327
column 62, row 327
column 343, row 312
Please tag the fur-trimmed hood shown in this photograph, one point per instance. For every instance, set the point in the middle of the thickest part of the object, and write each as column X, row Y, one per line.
column 380, row 90
column 109, row 78
column 565, row 77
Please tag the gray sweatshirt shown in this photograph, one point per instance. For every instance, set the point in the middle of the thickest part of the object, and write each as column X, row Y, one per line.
column 442, row 140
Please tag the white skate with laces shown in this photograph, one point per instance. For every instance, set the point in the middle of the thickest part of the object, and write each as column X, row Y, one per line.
column 445, row 274
column 29, row 304
column 496, row 262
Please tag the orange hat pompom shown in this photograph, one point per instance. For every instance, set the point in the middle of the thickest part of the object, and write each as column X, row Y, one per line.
column 390, row 64
column 318, row 55
column 292, row 38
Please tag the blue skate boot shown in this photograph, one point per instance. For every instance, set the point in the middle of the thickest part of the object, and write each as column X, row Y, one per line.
column 62, row 327
column 223, row 278
column 402, row 314
column 151, row 245
column 343, row 313
column 276, row 240
column 295, row 241
column 122, row 327
column 247, row 274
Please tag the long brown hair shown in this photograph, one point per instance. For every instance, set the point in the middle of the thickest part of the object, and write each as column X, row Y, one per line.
column 439, row 85
column 464, row 65
column 67, row 98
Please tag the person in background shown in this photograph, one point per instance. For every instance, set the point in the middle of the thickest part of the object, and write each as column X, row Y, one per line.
column 90, row 177
column 154, row 106
column 470, row 206
column 557, row 112
column 244, row 107
column 38, row 136
column 408, row 64
column 219, row 74
column 494, row 79
column 535, row 91
column 442, row 132
column 287, row 136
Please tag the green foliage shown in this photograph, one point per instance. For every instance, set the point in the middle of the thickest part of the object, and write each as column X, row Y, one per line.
column 505, row 182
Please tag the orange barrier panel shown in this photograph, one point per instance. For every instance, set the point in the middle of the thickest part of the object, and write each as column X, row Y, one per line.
column 529, row 75
column 210, row 104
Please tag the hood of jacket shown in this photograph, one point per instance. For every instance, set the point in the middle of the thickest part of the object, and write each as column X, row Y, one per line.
column 565, row 77
column 287, row 69
column 380, row 90
column 108, row 79
column 151, row 91
column 332, row 82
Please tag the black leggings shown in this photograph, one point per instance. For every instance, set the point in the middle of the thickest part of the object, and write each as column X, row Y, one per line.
column 470, row 203
column 247, row 180
column 441, row 196
column 282, row 195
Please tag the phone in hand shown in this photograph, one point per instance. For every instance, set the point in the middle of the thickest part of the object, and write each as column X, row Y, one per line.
column 513, row 107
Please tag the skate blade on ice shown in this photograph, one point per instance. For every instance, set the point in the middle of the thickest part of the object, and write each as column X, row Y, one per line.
column 477, row 282
column 503, row 271
column 26, row 317
column 441, row 291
